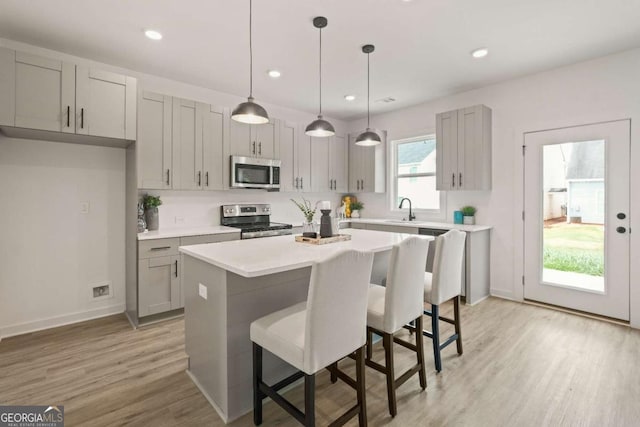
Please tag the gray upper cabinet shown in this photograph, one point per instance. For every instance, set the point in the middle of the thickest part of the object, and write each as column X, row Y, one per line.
column 463, row 149
column 253, row 140
column 338, row 164
column 153, row 147
column 187, row 144
column 50, row 95
column 212, row 148
column 329, row 165
column 367, row 166
column 105, row 104
column 294, row 150
column 44, row 93
column 320, row 164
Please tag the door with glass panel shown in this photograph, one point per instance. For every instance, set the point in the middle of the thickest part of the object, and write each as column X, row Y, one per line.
column 576, row 227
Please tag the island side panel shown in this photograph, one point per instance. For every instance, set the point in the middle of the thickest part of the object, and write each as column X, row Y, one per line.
column 478, row 252
column 249, row 299
column 205, row 330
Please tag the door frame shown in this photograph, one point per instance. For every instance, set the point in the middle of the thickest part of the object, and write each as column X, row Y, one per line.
column 518, row 137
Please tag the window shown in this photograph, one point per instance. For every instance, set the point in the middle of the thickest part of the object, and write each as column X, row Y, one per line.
column 414, row 173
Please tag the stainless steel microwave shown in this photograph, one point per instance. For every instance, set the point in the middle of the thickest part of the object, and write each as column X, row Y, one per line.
column 251, row 172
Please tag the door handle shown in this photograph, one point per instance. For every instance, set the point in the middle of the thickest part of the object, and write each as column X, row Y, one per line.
column 453, row 179
column 297, row 179
column 206, row 179
column 621, row 215
column 168, row 170
column 460, row 180
column 176, row 268
column 260, row 148
column 199, row 178
column 161, row 248
column 68, row 115
column 621, row 230
column 82, row 118
column 301, row 184
column 253, row 150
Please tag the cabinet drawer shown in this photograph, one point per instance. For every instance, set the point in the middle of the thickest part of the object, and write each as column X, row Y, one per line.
column 209, row 238
column 158, row 247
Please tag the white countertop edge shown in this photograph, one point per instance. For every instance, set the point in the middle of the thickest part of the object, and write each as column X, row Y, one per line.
column 421, row 224
column 169, row 233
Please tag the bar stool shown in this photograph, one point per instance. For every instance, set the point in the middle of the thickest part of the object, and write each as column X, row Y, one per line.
column 315, row 334
column 390, row 308
column 443, row 285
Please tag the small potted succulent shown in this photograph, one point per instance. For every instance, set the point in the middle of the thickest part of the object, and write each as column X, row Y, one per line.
column 469, row 215
column 308, row 227
column 151, row 204
column 356, row 207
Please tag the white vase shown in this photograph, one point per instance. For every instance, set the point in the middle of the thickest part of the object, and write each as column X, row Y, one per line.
column 469, row 220
column 355, row 214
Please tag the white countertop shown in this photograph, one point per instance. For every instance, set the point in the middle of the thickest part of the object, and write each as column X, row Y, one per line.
column 202, row 230
column 259, row 257
column 421, row 224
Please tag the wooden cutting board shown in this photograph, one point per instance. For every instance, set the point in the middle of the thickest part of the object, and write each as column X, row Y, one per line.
column 325, row 240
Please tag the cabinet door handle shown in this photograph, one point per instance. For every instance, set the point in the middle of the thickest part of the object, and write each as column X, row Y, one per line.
column 260, row 148
column 297, row 182
column 199, row 178
column 68, row 115
column 253, row 150
column 335, row 184
column 453, row 179
column 82, row 118
column 460, row 179
column 301, row 184
column 161, row 248
column 176, row 268
column 168, row 171
column 206, row 178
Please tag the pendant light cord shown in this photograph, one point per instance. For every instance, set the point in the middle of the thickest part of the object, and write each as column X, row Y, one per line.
column 250, row 51
column 320, row 68
column 368, row 92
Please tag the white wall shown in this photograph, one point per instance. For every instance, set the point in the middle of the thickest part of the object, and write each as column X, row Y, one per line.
column 603, row 89
column 51, row 252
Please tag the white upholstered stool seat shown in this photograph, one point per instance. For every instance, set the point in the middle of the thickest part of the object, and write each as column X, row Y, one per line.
column 316, row 334
column 392, row 306
column 428, row 283
column 282, row 333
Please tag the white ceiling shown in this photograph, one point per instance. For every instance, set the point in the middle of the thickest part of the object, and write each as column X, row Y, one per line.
column 422, row 46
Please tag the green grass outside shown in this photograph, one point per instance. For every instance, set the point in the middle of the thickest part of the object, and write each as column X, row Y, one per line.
column 578, row 248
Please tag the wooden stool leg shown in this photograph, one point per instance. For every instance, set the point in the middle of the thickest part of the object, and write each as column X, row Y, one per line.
column 456, row 318
column 420, row 353
column 332, row 369
column 360, row 387
column 309, row 400
column 435, row 330
column 369, row 344
column 387, row 340
column 258, row 396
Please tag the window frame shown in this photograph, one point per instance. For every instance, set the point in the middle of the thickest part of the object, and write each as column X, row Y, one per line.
column 393, row 177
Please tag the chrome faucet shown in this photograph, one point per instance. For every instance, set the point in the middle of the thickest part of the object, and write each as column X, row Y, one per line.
column 411, row 215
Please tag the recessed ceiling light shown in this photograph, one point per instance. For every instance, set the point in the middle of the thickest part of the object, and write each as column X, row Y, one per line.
column 480, row 53
column 153, row 34
column 349, row 97
column 274, row 74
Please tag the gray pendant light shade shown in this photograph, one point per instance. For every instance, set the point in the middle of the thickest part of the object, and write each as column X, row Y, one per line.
column 368, row 138
column 249, row 112
column 320, row 127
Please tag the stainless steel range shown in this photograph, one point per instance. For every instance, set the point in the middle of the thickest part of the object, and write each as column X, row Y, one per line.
column 253, row 220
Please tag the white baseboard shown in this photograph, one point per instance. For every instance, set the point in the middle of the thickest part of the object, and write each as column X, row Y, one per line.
column 499, row 293
column 53, row 322
column 213, row 404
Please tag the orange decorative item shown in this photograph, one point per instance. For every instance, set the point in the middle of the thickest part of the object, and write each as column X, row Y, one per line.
column 347, row 200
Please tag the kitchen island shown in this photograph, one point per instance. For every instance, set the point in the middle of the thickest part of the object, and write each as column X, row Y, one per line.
column 230, row 284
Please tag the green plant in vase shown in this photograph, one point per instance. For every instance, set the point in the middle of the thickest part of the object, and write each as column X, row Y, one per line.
column 151, row 204
column 356, row 207
column 308, row 228
column 469, row 214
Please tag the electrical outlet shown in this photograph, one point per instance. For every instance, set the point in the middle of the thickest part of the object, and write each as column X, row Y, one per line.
column 202, row 290
column 179, row 220
column 84, row 208
column 100, row 291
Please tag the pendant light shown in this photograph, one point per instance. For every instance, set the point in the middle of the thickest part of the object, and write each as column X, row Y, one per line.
column 249, row 112
column 320, row 127
column 368, row 138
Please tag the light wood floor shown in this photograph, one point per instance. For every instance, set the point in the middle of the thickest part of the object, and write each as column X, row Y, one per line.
column 522, row 366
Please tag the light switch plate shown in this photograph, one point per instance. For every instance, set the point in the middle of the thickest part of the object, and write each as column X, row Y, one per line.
column 179, row 220
column 202, row 290
column 84, row 207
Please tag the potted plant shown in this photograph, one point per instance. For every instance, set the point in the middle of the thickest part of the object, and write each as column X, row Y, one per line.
column 356, row 207
column 469, row 213
column 308, row 227
column 151, row 204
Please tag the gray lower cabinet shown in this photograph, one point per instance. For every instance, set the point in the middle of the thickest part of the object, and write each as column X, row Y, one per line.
column 160, row 271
